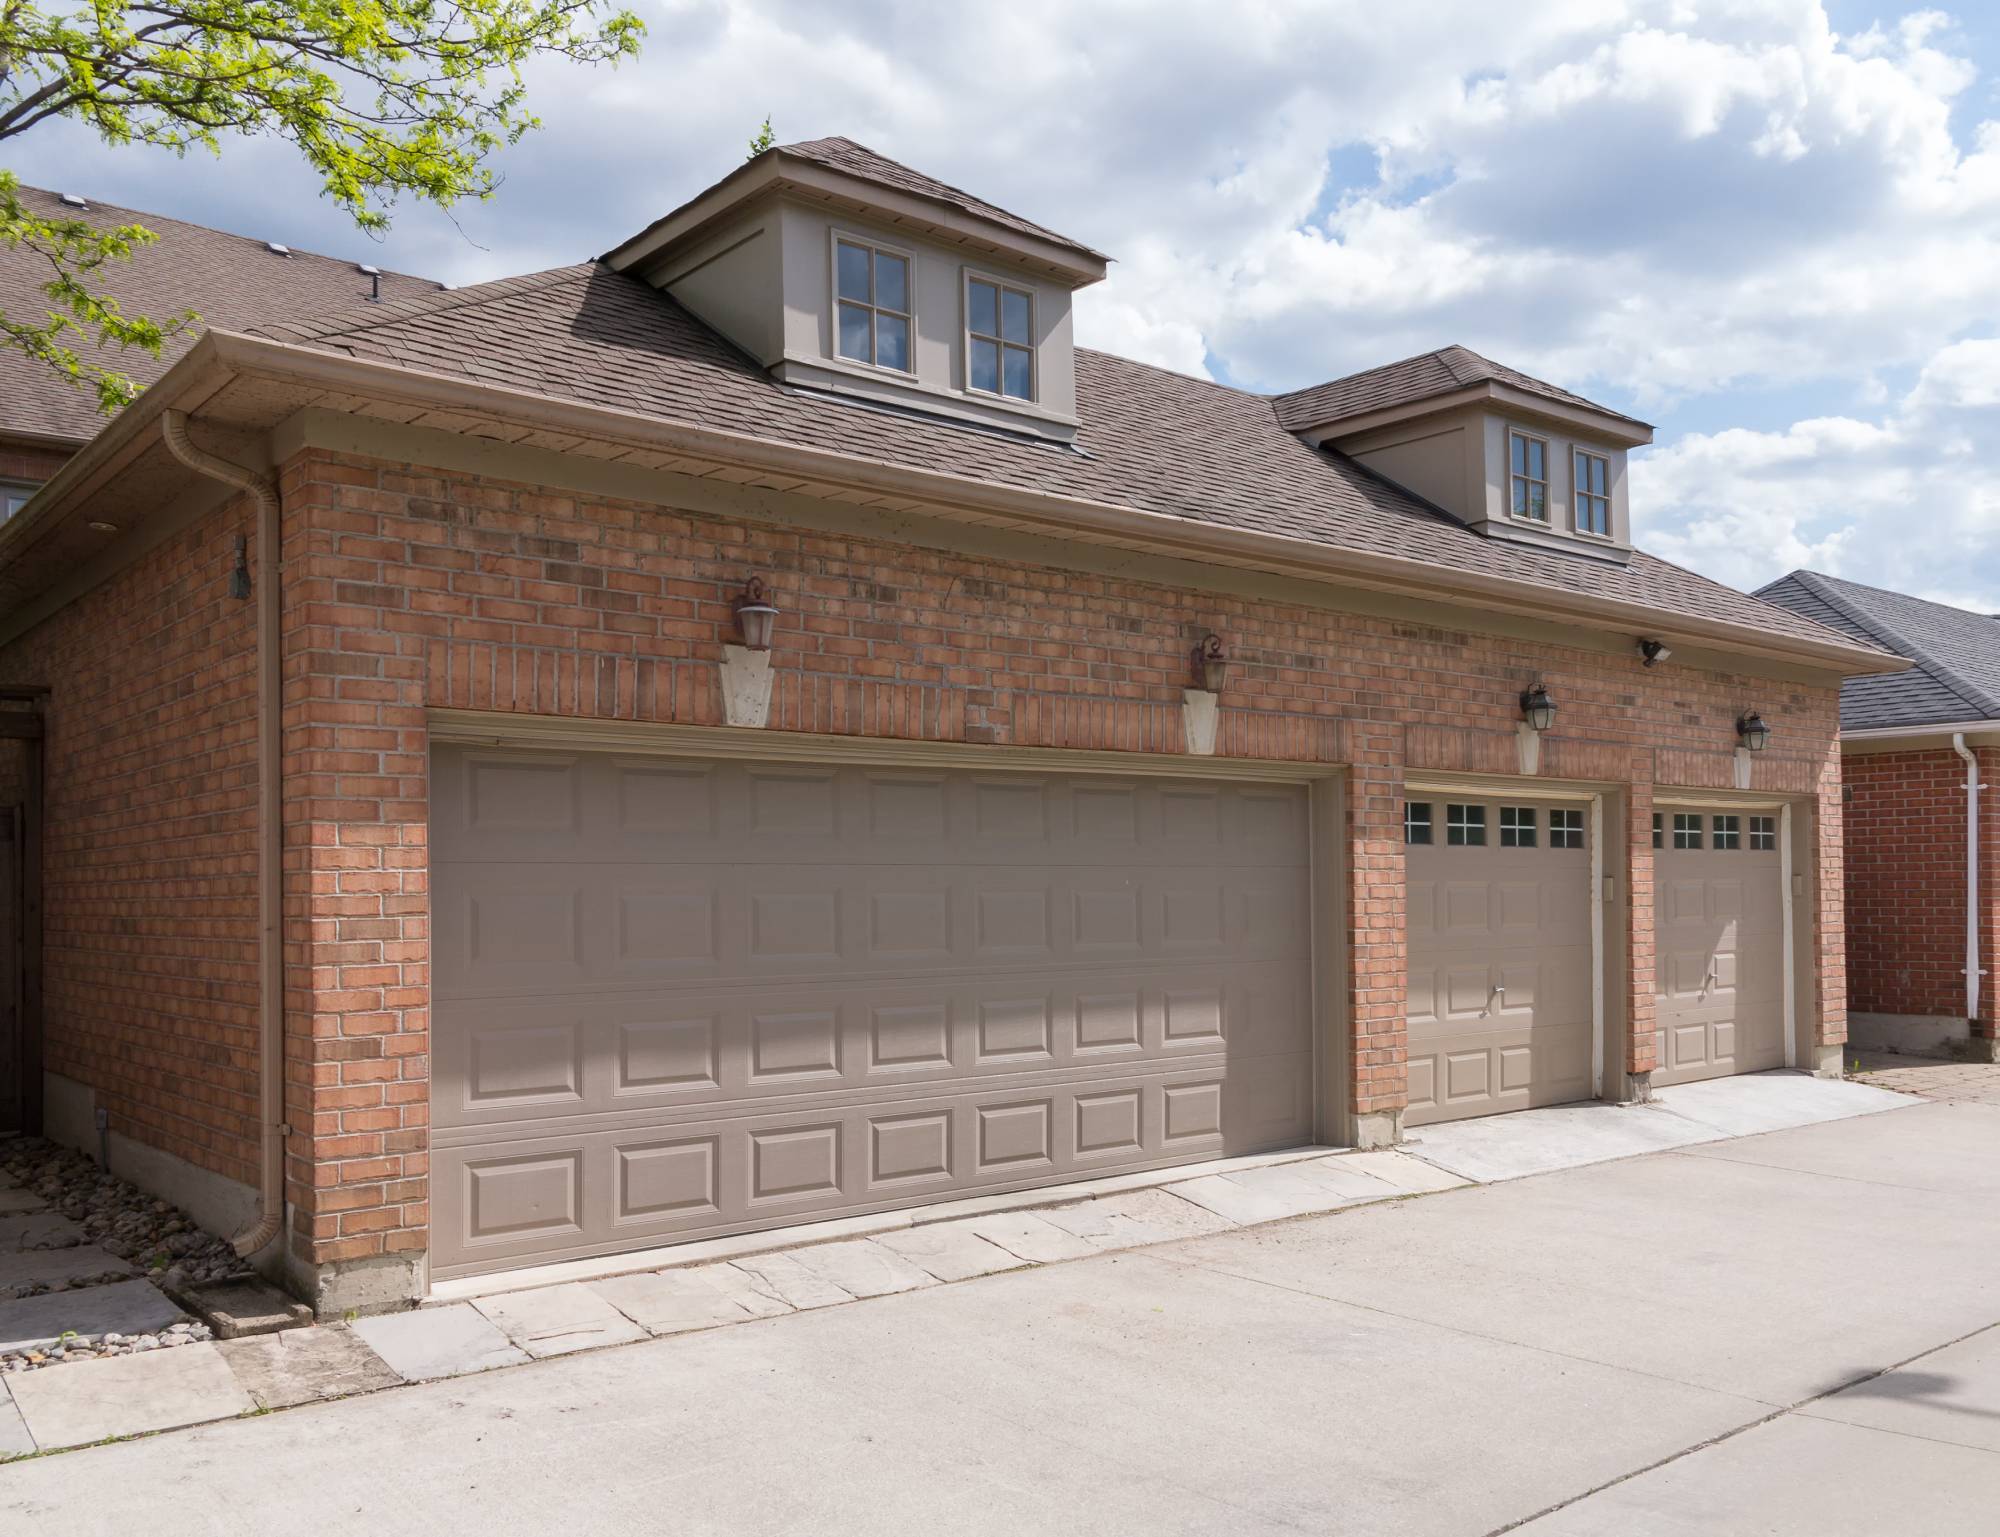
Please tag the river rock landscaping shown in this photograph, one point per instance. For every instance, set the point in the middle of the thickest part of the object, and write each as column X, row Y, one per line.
column 72, row 1204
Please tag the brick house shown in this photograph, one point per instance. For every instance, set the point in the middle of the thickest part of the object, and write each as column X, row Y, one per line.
column 1923, row 842
column 761, row 727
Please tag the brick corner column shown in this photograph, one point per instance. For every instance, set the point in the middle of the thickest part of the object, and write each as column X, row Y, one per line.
column 1641, row 1055
column 1377, row 936
column 1829, row 934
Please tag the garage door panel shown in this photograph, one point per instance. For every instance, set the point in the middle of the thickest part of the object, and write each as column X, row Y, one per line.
column 1500, row 1000
column 1719, row 995
column 545, row 1193
column 782, row 991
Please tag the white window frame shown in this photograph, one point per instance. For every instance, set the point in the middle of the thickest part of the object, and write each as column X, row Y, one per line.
column 872, row 245
column 1566, row 828
column 1727, row 839
column 1516, row 821
column 1428, row 822
column 8, row 488
column 1688, row 825
column 1580, row 497
column 1461, row 820
column 1768, row 832
column 1546, row 520
column 967, row 277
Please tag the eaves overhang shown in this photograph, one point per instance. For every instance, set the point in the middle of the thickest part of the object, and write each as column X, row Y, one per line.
column 241, row 387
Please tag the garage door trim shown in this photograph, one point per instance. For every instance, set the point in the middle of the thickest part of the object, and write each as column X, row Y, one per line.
column 503, row 731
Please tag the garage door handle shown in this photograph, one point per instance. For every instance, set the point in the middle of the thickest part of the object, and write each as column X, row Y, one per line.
column 1498, row 995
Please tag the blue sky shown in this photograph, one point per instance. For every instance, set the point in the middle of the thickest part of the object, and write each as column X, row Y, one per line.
column 1771, row 227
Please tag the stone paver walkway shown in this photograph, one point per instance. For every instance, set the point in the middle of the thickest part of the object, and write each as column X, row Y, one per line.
column 1975, row 1082
column 69, row 1406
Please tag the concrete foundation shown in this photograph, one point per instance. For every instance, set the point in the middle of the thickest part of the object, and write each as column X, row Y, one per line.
column 387, row 1283
column 221, row 1205
column 1378, row 1128
column 1638, row 1089
column 1911, row 1035
column 1826, row 1061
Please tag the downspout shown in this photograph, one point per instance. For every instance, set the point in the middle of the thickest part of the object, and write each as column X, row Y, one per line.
column 1972, row 788
column 270, row 833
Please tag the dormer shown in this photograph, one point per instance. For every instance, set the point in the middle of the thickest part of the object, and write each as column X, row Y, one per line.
column 1506, row 454
column 844, row 272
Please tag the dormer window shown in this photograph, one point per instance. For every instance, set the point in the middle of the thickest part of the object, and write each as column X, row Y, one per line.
column 999, row 339
column 1593, row 494
column 1529, row 461
column 872, row 303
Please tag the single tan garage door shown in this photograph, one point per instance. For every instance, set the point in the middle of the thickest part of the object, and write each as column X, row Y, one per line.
column 1500, row 1001
column 1718, row 935
column 676, row 999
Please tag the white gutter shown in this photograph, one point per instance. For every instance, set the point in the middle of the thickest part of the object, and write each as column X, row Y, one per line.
column 270, row 832
column 1972, row 787
column 1938, row 728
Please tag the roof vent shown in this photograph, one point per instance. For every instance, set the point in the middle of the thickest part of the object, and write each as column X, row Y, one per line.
column 374, row 276
column 276, row 249
column 73, row 200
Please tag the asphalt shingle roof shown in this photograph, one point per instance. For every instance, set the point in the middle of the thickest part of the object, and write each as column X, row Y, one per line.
column 1957, row 652
column 1150, row 440
column 230, row 281
column 859, row 160
column 1423, row 377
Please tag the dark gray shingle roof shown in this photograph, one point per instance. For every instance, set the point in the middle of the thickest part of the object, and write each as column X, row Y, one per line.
column 1957, row 652
column 1423, row 377
column 230, row 281
column 1150, row 440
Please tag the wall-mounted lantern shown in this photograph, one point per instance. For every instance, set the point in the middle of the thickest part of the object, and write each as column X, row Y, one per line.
column 1753, row 733
column 1652, row 651
column 1538, row 709
column 756, row 615
column 1209, row 664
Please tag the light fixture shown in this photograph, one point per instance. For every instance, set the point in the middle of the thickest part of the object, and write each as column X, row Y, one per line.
column 1752, row 732
column 756, row 617
column 1654, row 650
column 97, row 527
column 1537, row 708
column 1209, row 663
column 239, row 576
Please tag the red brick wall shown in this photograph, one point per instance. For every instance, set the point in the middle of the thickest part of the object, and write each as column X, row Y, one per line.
column 150, row 851
column 1905, row 904
column 1906, row 882
column 25, row 461
column 409, row 590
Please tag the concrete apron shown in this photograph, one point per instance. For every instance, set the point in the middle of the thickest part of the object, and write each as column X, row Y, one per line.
column 73, row 1405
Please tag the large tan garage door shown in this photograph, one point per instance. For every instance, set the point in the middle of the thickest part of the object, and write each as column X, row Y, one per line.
column 676, row 998
column 1500, row 1000
column 1718, row 935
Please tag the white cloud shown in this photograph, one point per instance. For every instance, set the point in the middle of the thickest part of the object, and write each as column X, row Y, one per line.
column 1690, row 208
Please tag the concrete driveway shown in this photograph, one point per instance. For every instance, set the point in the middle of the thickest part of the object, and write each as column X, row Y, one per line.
column 1793, row 1332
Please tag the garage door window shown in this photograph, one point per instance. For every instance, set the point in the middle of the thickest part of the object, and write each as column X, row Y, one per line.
column 1517, row 827
column 1565, row 829
column 1417, row 822
column 1728, row 832
column 1687, row 830
column 1465, row 826
column 1763, row 834
column 1656, row 829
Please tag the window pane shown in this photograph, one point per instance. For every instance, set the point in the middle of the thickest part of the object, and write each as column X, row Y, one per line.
column 1538, row 502
column 1417, row 822
column 1763, row 833
column 1598, row 469
column 1517, row 447
column 854, row 333
column 1656, row 829
column 986, row 366
column 981, row 309
column 1535, row 466
column 853, row 272
column 1020, row 380
column 892, row 341
column 892, row 283
column 1728, row 832
column 1520, row 497
column 1014, row 316
column 1465, row 826
column 1517, row 827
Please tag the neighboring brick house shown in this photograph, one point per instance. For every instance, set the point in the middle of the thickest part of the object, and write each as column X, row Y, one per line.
column 762, row 727
column 1920, row 754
